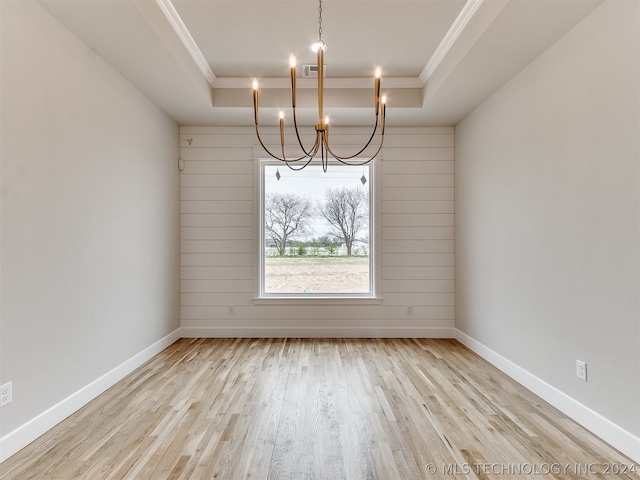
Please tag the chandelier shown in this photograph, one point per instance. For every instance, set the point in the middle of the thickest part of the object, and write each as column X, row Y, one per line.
column 321, row 148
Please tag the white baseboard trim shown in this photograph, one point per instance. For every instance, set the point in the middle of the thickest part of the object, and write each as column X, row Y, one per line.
column 28, row 432
column 316, row 332
column 614, row 435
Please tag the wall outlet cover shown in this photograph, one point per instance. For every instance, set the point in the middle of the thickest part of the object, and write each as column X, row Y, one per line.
column 6, row 394
column 581, row 370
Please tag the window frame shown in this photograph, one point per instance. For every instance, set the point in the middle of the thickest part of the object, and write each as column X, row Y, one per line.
column 260, row 297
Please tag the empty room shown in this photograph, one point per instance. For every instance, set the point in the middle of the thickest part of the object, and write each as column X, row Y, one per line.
column 319, row 239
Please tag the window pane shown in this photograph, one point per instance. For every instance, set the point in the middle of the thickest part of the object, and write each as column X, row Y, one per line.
column 316, row 230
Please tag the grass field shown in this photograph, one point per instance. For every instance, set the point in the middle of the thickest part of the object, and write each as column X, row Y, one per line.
column 317, row 260
column 314, row 274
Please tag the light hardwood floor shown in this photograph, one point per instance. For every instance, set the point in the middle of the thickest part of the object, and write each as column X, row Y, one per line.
column 317, row 409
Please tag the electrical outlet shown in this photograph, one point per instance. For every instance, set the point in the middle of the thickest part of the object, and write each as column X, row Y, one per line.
column 581, row 370
column 6, row 394
column 231, row 310
column 410, row 310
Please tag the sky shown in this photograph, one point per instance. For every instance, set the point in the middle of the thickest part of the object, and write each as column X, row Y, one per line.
column 312, row 182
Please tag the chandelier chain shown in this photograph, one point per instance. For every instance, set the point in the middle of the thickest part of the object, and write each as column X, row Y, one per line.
column 320, row 21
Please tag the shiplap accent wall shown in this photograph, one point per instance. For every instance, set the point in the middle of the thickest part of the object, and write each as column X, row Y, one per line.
column 217, row 240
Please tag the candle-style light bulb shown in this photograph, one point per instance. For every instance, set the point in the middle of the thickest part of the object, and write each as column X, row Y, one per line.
column 281, row 115
column 377, row 89
column 292, row 68
column 255, row 100
column 383, row 100
column 326, row 119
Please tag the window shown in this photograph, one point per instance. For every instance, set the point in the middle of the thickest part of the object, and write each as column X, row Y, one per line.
column 316, row 231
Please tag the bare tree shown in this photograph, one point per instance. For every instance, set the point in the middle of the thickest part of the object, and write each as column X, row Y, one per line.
column 285, row 217
column 347, row 211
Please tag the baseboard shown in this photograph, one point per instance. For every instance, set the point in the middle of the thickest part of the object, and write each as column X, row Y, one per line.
column 614, row 435
column 28, row 432
column 316, row 332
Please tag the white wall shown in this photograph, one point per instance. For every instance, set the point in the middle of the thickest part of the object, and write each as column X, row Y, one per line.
column 218, row 240
column 548, row 217
column 89, row 216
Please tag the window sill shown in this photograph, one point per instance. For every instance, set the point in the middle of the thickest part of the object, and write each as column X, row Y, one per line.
column 317, row 301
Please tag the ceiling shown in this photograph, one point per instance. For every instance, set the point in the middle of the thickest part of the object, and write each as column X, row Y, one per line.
column 196, row 59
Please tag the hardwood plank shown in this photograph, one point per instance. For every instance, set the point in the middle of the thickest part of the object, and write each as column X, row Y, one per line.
column 315, row 409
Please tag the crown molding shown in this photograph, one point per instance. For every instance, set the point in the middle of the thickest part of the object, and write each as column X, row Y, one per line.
column 457, row 27
column 187, row 40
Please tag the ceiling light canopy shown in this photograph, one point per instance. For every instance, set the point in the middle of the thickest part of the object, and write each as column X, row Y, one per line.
column 321, row 148
column 317, row 45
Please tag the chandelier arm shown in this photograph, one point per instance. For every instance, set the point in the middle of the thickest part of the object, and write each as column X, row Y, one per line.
column 265, row 147
column 325, row 151
column 309, row 156
column 314, row 149
column 344, row 161
column 311, row 153
column 282, row 159
column 357, row 164
column 296, row 168
column 357, row 154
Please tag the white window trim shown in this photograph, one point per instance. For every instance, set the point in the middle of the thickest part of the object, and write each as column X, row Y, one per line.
column 375, row 241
